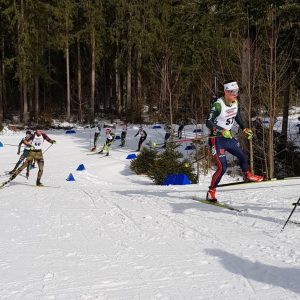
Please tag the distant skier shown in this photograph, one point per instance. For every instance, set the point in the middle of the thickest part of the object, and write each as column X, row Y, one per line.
column 143, row 137
column 35, row 142
column 110, row 137
column 97, row 130
column 180, row 129
column 123, row 134
column 223, row 114
column 168, row 130
column 23, row 155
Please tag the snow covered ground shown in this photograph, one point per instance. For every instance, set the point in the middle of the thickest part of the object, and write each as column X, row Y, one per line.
column 111, row 234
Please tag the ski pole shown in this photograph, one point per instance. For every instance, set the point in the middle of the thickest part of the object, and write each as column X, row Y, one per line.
column 47, row 148
column 11, row 145
column 295, row 205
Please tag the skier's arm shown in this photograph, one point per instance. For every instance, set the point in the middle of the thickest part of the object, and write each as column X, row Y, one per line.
column 145, row 133
column 20, row 144
column 214, row 113
column 28, row 140
column 239, row 120
column 46, row 137
column 247, row 131
column 136, row 134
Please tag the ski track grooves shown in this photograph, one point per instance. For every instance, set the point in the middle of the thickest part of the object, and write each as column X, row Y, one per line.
column 220, row 244
column 179, row 226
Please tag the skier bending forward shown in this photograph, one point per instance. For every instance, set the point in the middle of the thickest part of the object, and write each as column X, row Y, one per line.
column 35, row 141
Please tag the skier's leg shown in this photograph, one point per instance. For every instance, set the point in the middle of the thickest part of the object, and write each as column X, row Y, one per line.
column 40, row 162
column 140, row 144
column 234, row 149
column 219, row 156
column 96, row 139
column 123, row 137
column 20, row 169
column 21, row 159
column 237, row 151
column 218, row 152
column 143, row 139
column 179, row 134
column 27, row 170
column 107, row 148
column 102, row 149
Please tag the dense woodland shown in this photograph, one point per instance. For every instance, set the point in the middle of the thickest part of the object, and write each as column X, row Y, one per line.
column 75, row 60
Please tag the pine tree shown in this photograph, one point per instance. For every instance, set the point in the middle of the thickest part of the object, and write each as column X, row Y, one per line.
column 169, row 162
column 142, row 164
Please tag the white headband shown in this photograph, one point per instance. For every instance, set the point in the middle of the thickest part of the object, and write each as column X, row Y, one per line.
column 231, row 86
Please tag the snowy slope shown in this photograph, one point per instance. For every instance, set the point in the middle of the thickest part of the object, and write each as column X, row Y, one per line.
column 114, row 235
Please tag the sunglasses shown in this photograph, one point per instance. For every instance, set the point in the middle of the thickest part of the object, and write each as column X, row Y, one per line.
column 234, row 92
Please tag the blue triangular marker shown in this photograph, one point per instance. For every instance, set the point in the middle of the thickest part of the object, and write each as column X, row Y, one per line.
column 190, row 147
column 80, row 168
column 197, row 130
column 70, row 177
column 1, row 144
column 70, row 131
column 131, row 156
column 176, row 179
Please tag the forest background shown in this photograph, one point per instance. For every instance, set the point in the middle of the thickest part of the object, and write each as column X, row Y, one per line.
column 76, row 60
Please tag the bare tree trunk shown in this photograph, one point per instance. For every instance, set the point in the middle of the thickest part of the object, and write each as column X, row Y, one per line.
column 272, row 95
column 139, row 84
column 23, row 77
column 68, row 84
column 48, row 86
column 25, row 104
column 246, row 95
column 110, row 93
column 163, row 92
column 36, row 98
column 79, row 81
column 170, row 93
column 118, row 87
column 93, row 76
column 285, row 116
column 128, row 82
column 3, row 74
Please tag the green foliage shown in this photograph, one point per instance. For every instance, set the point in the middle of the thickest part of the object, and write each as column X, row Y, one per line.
column 168, row 162
column 144, row 161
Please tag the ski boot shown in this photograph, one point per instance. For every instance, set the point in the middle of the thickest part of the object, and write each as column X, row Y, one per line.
column 101, row 151
column 27, row 175
column 250, row 177
column 38, row 182
column 211, row 195
column 12, row 172
column 107, row 154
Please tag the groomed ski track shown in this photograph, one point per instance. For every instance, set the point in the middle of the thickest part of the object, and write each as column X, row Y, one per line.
column 114, row 235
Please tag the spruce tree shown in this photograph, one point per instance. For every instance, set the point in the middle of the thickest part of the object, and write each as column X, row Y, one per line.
column 169, row 162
